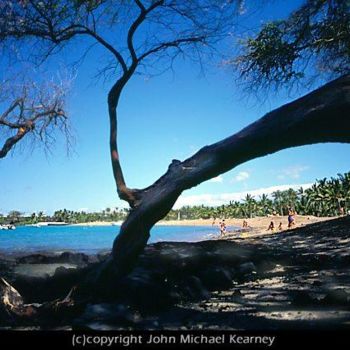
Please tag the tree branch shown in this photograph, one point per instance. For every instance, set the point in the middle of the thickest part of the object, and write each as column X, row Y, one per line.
column 174, row 43
column 321, row 116
column 138, row 21
column 140, row 5
column 11, row 141
column 37, row 108
column 109, row 47
column 125, row 193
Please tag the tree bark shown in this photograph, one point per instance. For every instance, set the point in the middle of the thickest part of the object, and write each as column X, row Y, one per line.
column 11, row 142
column 124, row 193
column 320, row 116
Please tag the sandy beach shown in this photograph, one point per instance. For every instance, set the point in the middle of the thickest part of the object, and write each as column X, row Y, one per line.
column 256, row 226
column 259, row 222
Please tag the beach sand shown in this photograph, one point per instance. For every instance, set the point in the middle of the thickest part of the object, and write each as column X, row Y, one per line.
column 259, row 221
column 256, row 226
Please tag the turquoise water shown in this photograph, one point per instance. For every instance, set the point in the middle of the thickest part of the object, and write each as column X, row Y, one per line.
column 91, row 239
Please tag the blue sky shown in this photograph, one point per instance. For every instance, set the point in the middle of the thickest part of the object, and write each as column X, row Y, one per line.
column 160, row 119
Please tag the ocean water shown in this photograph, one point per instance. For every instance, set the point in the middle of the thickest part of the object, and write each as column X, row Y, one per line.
column 89, row 239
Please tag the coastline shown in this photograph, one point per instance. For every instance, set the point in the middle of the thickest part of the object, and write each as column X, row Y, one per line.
column 256, row 225
column 98, row 223
column 280, row 281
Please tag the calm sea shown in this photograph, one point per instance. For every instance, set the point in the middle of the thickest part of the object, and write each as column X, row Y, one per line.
column 89, row 240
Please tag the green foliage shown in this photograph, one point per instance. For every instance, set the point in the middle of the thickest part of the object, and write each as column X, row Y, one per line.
column 14, row 216
column 64, row 215
column 74, row 217
column 314, row 41
column 324, row 198
column 272, row 54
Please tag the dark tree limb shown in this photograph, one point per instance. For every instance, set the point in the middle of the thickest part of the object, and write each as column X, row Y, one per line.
column 174, row 43
column 32, row 113
column 136, row 24
column 14, row 309
column 125, row 193
column 11, row 141
column 320, row 116
column 132, row 196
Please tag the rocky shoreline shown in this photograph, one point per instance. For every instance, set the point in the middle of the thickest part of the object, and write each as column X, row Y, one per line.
column 298, row 279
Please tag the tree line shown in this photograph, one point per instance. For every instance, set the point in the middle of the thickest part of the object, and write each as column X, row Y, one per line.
column 64, row 215
column 326, row 197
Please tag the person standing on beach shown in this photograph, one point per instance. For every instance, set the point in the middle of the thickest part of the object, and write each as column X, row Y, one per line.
column 291, row 218
column 271, row 227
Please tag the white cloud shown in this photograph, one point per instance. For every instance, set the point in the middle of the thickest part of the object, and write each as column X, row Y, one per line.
column 241, row 176
column 292, row 172
column 83, row 209
column 217, row 179
column 224, row 198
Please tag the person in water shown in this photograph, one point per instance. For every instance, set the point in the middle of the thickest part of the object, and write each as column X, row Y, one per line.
column 245, row 224
column 222, row 227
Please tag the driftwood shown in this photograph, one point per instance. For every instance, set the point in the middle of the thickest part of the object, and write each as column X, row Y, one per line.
column 13, row 308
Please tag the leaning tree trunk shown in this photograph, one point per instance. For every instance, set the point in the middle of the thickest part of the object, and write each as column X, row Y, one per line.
column 320, row 116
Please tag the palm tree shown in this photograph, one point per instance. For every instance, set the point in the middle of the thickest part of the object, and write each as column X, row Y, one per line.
column 301, row 201
column 291, row 198
column 265, row 204
column 33, row 218
column 14, row 216
column 250, row 204
column 278, row 201
column 40, row 216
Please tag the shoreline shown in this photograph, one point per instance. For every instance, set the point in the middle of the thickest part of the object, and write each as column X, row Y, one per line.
column 258, row 221
column 257, row 226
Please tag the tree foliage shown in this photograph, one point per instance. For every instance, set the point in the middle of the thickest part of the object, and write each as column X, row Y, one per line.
column 314, row 41
column 31, row 110
column 169, row 28
column 324, row 198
